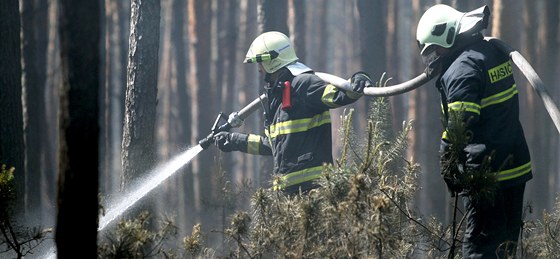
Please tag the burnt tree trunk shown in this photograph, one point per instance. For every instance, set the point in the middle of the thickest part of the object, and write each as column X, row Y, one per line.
column 202, row 99
column 11, row 118
column 297, row 26
column 138, row 151
column 79, row 130
column 34, row 50
column 273, row 15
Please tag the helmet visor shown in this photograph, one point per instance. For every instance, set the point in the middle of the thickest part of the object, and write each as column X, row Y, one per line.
column 262, row 57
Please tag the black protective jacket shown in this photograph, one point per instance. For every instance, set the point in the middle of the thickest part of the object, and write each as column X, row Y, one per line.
column 299, row 137
column 479, row 80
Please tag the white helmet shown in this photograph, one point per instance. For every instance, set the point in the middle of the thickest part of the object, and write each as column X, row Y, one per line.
column 439, row 25
column 273, row 50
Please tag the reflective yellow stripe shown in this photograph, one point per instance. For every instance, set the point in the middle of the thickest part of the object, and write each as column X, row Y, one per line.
column 298, row 177
column 293, row 126
column 444, row 135
column 514, row 172
column 467, row 106
column 253, row 143
column 500, row 72
column 499, row 97
column 328, row 96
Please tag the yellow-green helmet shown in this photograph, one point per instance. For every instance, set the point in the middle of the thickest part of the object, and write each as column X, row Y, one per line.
column 273, row 50
column 439, row 25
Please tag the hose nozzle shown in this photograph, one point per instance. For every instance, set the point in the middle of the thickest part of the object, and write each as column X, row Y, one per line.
column 216, row 128
column 207, row 141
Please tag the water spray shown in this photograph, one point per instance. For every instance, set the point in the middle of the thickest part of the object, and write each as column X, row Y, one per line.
column 145, row 186
column 115, row 209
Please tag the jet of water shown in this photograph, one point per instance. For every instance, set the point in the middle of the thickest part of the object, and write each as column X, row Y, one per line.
column 155, row 178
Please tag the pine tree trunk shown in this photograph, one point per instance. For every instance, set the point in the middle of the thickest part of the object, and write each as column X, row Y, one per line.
column 138, row 151
column 203, row 98
column 297, row 25
column 11, row 118
column 550, row 78
column 79, row 130
column 181, row 120
column 34, row 25
column 270, row 16
column 114, row 86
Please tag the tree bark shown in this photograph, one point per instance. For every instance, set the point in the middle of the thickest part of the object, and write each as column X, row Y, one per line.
column 138, row 151
column 114, row 85
column 79, row 130
column 34, row 50
column 50, row 142
column 273, row 16
column 297, row 24
column 549, row 73
column 203, row 97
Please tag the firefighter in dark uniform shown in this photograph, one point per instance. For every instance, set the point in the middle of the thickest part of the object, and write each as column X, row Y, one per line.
column 476, row 78
column 297, row 117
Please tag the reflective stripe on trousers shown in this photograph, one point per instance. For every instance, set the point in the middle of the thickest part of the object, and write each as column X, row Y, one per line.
column 298, row 177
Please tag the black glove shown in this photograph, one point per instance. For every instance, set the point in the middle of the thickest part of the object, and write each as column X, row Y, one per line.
column 224, row 142
column 359, row 81
column 451, row 179
column 452, row 171
column 433, row 62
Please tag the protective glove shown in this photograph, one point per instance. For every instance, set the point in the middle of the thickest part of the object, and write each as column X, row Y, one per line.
column 452, row 170
column 432, row 59
column 359, row 81
column 223, row 140
column 451, row 179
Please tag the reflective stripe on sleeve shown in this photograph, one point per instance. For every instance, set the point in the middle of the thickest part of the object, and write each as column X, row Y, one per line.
column 328, row 96
column 253, row 144
column 467, row 106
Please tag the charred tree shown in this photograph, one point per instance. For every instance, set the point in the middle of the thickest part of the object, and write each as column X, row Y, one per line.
column 273, row 16
column 549, row 73
column 138, row 151
column 79, row 129
column 180, row 121
column 34, row 50
column 114, row 85
column 372, row 38
column 202, row 99
column 297, row 25
column 251, row 166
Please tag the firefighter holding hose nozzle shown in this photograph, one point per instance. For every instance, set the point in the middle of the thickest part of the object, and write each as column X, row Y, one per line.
column 296, row 113
column 475, row 79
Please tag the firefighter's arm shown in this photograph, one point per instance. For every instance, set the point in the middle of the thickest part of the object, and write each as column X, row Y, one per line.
column 460, row 152
column 465, row 89
column 326, row 96
column 247, row 143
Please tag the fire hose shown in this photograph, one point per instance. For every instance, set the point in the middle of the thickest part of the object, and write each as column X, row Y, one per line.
column 235, row 118
column 420, row 80
column 532, row 77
